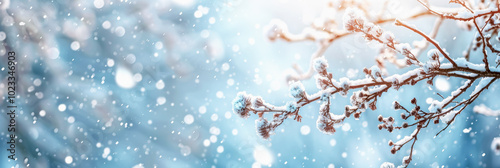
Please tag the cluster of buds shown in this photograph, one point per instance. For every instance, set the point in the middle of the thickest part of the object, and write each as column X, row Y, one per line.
column 324, row 122
column 434, row 61
column 387, row 123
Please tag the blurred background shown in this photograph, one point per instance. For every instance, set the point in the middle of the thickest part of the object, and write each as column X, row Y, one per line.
column 143, row 83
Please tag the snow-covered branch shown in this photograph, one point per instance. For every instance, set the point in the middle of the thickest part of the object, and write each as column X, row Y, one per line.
column 364, row 92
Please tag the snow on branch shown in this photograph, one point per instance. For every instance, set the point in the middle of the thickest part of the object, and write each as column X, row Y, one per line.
column 364, row 92
column 324, row 31
column 484, row 110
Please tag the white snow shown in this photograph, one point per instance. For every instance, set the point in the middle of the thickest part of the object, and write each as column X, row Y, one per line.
column 483, row 109
column 68, row 159
column 188, row 119
column 42, row 113
column 98, row 3
column 305, row 130
column 124, row 78
column 120, row 31
column 481, row 85
column 202, row 109
column 106, row 152
column 161, row 100
column 160, row 85
column 442, row 84
column 61, row 107
column 75, row 45
column 220, row 149
column 263, row 156
column 387, row 165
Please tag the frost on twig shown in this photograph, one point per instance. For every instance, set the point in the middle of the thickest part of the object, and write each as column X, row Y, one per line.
column 364, row 92
column 324, row 31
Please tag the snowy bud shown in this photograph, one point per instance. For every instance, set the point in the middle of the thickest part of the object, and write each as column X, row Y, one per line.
column 388, row 37
column 391, row 143
column 406, row 160
column 357, row 115
column 240, row 104
column 435, row 106
column 373, row 105
column 387, row 165
column 320, row 65
column 324, row 109
column 393, row 150
column 375, row 71
column 396, row 105
column 403, row 48
column 257, row 102
column 414, row 101
column 390, row 128
column 325, row 96
column 324, row 126
column 396, row 84
column 366, row 71
column 276, row 29
column 380, row 118
column 263, row 128
column 344, row 83
column 433, row 54
column 297, row 90
column 321, row 82
column 353, row 20
column 291, row 106
column 405, row 125
column 377, row 31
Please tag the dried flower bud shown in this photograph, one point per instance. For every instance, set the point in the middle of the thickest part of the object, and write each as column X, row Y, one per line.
column 240, row 104
column 403, row 116
column 324, row 125
column 320, row 65
column 391, row 143
column 391, row 119
column 344, row 83
column 396, row 105
column 380, row 126
column 373, row 105
column 406, row 160
column 263, row 128
column 380, row 118
column 257, row 102
column 297, row 90
column 291, row 106
column 353, row 20
column 276, row 29
column 357, row 115
column 393, row 150
column 405, row 125
column 366, row 71
column 436, row 121
column 322, row 82
column 414, row 101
